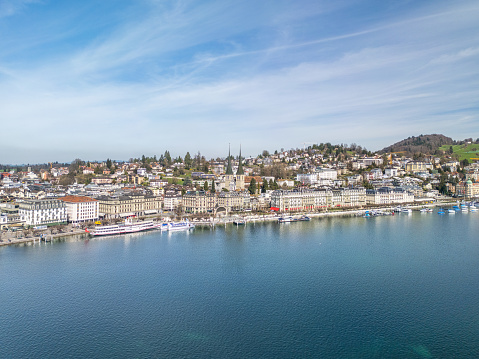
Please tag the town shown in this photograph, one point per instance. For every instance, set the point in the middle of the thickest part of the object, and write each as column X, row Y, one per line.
column 315, row 178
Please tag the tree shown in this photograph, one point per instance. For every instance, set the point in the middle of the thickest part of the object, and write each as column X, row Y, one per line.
column 265, row 153
column 108, row 163
column 252, row 186
column 167, row 158
column 205, row 186
column 264, row 187
column 213, row 187
column 187, row 181
column 188, row 161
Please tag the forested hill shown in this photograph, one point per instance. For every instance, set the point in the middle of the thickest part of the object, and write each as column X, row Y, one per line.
column 425, row 144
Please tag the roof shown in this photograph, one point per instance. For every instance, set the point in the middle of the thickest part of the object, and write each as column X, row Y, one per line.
column 229, row 169
column 77, row 199
column 240, row 170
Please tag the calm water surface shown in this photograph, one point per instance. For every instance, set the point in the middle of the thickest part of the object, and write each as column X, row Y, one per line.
column 389, row 287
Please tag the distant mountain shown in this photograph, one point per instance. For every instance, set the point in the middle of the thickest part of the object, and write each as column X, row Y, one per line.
column 426, row 144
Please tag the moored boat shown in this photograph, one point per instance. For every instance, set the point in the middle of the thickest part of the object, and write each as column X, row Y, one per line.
column 239, row 221
column 127, row 227
column 180, row 226
column 286, row 219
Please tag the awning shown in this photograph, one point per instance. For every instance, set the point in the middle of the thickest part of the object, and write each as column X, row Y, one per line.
column 129, row 214
column 274, row 208
column 151, row 211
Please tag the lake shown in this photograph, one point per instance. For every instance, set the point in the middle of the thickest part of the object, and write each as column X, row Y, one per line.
column 404, row 286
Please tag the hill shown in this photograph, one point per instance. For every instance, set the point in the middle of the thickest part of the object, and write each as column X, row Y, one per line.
column 425, row 144
column 465, row 151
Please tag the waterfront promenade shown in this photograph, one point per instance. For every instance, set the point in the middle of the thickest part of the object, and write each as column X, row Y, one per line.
column 11, row 238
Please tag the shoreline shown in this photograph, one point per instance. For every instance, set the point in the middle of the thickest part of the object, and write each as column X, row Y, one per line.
column 229, row 220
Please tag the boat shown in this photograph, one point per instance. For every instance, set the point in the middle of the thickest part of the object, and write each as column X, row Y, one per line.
column 286, row 219
column 239, row 222
column 180, row 226
column 464, row 209
column 451, row 211
column 406, row 210
column 304, row 218
column 127, row 227
column 425, row 210
column 472, row 209
column 441, row 211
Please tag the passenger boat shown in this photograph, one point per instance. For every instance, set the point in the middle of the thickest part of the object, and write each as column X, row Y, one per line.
column 128, row 227
column 180, row 226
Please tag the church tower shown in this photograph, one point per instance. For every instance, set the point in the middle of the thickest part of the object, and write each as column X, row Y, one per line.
column 240, row 175
column 229, row 177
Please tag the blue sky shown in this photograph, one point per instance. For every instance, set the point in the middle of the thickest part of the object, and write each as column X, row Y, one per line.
column 118, row 79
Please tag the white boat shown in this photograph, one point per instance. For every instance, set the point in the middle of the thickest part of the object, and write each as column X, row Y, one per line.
column 286, row 219
column 473, row 209
column 451, row 211
column 180, row 226
column 128, row 227
column 406, row 210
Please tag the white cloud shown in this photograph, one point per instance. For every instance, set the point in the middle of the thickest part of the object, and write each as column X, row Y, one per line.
column 387, row 81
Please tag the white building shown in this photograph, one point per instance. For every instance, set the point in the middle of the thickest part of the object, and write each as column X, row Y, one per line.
column 386, row 195
column 81, row 209
column 172, row 200
column 141, row 172
column 391, row 172
column 327, row 174
column 43, row 211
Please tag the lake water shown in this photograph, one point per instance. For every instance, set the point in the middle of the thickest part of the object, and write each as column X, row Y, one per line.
column 387, row 287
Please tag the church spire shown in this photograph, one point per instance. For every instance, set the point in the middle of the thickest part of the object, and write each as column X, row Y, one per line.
column 240, row 166
column 229, row 169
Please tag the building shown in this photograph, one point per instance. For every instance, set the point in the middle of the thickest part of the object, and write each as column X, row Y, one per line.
column 234, row 182
column 467, row 189
column 387, row 196
column 172, row 200
column 128, row 205
column 81, row 209
column 102, row 180
column 233, row 201
column 391, row 172
column 195, row 202
column 417, row 166
column 43, row 212
column 305, row 199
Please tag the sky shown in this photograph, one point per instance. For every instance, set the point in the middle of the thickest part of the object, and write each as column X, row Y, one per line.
column 119, row 79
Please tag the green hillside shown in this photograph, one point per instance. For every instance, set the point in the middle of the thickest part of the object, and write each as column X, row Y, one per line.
column 466, row 151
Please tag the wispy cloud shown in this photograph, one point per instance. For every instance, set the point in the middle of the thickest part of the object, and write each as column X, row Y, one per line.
column 190, row 77
column 11, row 7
